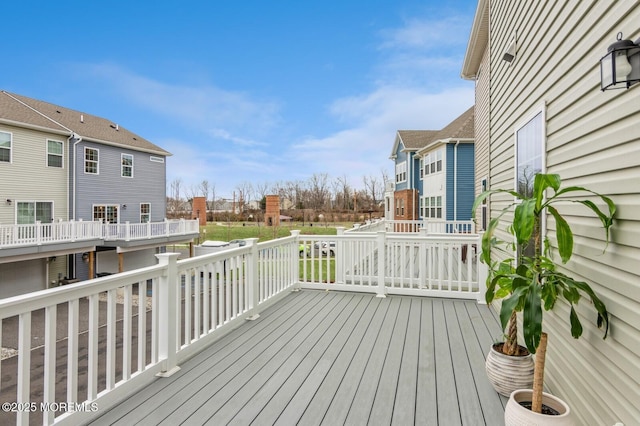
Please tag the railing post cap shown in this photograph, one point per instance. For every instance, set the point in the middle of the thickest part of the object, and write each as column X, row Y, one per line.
column 167, row 257
column 251, row 241
column 295, row 232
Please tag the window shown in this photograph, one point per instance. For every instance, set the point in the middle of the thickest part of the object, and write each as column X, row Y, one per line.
column 529, row 161
column 433, row 207
column 484, row 205
column 127, row 165
column 145, row 212
column 91, row 161
column 5, row 147
column 421, row 167
column 433, row 162
column 107, row 213
column 401, row 172
column 30, row 212
column 529, row 148
column 54, row 153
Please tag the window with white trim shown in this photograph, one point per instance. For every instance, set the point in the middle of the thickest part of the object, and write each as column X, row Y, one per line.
column 401, row 172
column 433, row 207
column 145, row 212
column 107, row 213
column 421, row 167
column 127, row 165
column 5, row 147
column 529, row 159
column 91, row 165
column 529, row 151
column 433, row 162
column 55, row 151
column 30, row 212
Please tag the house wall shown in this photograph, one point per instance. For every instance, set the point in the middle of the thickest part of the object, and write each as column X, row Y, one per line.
column 408, row 198
column 27, row 177
column 460, row 190
column 482, row 126
column 148, row 184
column 592, row 140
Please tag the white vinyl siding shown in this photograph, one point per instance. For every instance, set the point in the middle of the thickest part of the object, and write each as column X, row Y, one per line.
column 592, row 140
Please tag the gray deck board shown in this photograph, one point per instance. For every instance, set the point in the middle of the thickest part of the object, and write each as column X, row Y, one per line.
column 332, row 358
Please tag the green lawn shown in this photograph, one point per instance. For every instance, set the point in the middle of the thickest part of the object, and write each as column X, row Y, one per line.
column 319, row 271
column 227, row 232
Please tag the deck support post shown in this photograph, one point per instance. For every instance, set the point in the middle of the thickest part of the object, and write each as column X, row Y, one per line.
column 168, row 314
column 252, row 280
column 380, row 248
column 295, row 260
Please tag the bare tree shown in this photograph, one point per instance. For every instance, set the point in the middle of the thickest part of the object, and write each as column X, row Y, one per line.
column 373, row 189
column 244, row 193
column 174, row 200
column 318, row 188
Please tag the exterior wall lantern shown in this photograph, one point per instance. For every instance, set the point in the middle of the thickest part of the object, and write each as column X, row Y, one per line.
column 620, row 67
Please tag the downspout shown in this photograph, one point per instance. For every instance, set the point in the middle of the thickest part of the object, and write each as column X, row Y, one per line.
column 78, row 139
column 455, row 180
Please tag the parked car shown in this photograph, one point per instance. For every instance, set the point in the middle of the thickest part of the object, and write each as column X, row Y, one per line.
column 326, row 248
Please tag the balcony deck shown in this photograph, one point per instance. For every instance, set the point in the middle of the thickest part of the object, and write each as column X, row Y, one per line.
column 327, row 357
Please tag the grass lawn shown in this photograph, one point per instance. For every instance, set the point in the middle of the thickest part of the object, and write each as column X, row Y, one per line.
column 222, row 231
column 319, row 270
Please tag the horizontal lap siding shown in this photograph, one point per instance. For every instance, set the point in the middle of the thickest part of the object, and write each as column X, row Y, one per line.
column 592, row 140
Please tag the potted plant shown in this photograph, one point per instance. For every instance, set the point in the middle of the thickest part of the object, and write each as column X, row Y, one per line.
column 529, row 280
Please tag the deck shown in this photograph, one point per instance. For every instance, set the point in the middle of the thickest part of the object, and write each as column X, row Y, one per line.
column 326, row 357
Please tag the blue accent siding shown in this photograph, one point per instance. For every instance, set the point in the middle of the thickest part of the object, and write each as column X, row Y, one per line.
column 465, row 181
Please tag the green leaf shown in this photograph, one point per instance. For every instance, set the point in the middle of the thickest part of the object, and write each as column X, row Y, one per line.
column 563, row 234
column 524, row 221
column 576, row 327
column 508, row 306
column 532, row 318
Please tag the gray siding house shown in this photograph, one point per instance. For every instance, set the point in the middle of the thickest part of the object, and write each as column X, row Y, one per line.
column 88, row 169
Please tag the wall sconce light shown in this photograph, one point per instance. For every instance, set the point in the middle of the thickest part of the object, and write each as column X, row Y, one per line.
column 8, row 201
column 510, row 53
column 124, row 207
column 620, row 67
column 85, row 257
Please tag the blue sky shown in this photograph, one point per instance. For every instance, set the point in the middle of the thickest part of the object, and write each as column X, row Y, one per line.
column 252, row 91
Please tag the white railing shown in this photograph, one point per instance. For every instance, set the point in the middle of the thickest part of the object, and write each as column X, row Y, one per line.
column 431, row 226
column 394, row 263
column 104, row 338
column 71, row 231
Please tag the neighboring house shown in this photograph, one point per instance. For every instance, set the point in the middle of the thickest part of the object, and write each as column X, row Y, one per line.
column 407, row 189
column 447, row 172
column 544, row 112
column 60, row 165
column 434, row 172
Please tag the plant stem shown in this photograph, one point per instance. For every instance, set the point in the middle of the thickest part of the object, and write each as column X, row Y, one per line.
column 538, row 375
column 510, row 346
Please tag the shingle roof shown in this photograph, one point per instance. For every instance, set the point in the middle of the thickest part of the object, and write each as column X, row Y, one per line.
column 20, row 109
column 460, row 128
column 416, row 139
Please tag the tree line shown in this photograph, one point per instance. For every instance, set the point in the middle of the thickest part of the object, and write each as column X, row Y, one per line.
column 318, row 193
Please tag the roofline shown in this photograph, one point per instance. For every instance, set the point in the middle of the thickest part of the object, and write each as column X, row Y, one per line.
column 129, row 147
column 478, row 40
column 34, row 127
column 435, row 143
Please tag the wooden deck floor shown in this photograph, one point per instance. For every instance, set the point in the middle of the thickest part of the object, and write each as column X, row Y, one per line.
column 335, row 358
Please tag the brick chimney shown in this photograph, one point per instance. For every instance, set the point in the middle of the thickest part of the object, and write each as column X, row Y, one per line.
column 272, row 214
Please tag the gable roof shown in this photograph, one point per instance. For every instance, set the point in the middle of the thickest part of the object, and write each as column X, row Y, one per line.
column 460, row 128
column 21, row 110
column 478, row 41
column 416, row 140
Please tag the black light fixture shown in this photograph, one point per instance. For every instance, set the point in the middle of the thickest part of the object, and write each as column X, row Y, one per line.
column 620, row 67
column 124, row 207
column 9, row 201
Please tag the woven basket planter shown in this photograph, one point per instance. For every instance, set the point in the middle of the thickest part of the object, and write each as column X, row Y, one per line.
column 507, row 373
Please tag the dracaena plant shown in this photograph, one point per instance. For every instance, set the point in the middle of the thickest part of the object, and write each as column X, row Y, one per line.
column 526, row 277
